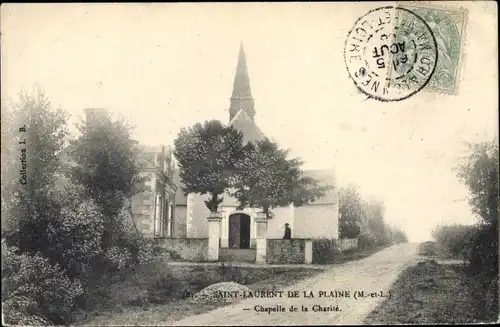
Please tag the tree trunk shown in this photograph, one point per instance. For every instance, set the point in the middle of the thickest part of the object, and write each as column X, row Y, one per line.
column 266, row 211
column 213, row 203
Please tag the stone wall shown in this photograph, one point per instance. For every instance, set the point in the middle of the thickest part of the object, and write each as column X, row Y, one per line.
column 142, row 206
column 179, row 225
column 325, row 250
column 347, row 243
column 197, row 212
column 190, row 249
column 294, row 251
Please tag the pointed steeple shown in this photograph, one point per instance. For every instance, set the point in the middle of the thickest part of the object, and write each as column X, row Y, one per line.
column 241, row 97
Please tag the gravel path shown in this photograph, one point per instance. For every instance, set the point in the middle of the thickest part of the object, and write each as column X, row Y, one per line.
column 370, row 275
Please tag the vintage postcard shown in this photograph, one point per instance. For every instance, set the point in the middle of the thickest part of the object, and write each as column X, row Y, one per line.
column 244, row 164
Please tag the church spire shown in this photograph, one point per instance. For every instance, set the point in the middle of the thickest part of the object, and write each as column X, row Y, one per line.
column 241, row 97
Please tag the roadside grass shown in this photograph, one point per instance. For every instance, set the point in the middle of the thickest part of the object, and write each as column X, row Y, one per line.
column 159, row 293
column 326, row 253
column 434, row 250
column 358, row 254
column 428, row 293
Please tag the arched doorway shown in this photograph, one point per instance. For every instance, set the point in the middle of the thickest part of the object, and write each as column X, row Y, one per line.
column 239, row 231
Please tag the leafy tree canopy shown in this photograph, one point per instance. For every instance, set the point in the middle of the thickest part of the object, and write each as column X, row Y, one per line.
column 207, row 155
column 33, row 136
column 107, row 166
column 479, row 172
column 267, row 179
column 350, row 209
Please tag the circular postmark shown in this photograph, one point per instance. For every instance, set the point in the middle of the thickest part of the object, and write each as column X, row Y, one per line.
column 390, row 53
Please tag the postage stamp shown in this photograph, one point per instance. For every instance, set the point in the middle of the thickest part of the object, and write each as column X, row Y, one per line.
column 390, row 53
column 448, row 27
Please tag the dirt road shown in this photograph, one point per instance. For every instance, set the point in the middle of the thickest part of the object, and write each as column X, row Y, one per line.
column 370, row 275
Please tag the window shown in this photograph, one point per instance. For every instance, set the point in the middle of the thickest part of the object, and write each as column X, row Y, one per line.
column 169, row 220
column 158, row 216
column 172, row 211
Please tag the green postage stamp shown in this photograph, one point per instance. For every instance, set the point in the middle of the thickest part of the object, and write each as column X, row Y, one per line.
column 448, row 26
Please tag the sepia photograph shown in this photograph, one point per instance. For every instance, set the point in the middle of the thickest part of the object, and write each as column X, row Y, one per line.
column 249, row 164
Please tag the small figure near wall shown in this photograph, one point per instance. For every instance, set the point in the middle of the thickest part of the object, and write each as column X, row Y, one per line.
column 288, row 232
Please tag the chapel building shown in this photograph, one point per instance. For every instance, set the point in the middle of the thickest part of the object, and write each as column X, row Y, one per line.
column 237, row 227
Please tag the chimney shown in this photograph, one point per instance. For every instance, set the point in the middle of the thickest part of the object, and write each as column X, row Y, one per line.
column 95, row 116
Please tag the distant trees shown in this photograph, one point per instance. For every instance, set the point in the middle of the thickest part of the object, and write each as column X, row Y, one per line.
column 398, row 235
column 374, row 211
column 350, row 210
column 364, row 219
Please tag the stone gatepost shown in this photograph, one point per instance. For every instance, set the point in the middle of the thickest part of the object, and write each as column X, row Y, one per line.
column 308, row 249
column 261, row 237
column 213, row 235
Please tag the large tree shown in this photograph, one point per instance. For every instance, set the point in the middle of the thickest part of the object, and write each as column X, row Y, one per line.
column 479, row 172
column 107, row 165
column 267, row 179
column 207, row 155
column 350, row 210
column 43, row 218
column 33, row 135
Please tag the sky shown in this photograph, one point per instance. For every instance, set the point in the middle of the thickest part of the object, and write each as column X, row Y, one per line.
column 168, row 66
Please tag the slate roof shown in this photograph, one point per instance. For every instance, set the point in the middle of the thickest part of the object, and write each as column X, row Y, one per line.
column 241, row 85
column 243, row 123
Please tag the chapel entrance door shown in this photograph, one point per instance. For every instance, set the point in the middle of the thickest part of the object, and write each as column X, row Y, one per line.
column 239, row 231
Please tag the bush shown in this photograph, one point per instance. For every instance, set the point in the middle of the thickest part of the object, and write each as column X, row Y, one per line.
column 147, row 252
column 483, row 253
column 428, row 248
column 163, row 285
column 22, row 311
column 229, row 273
column 71, row 227
column 33, row 291
column 128, row 248
column 483, row 269
column 454, row 240
column 324, row 251
column 366, row 242
column 118, row 258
